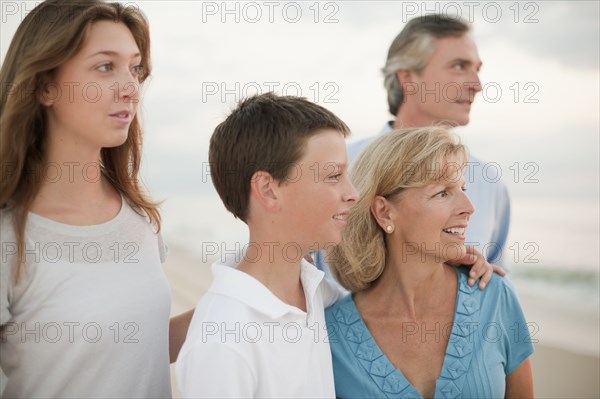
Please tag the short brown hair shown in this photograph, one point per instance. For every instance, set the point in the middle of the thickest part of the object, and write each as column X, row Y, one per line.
column 264, row 133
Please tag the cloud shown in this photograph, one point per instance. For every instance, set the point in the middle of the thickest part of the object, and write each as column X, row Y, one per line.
column 567, row 32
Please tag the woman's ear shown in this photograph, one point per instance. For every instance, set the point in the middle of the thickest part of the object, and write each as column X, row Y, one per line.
column 262, row 189
column 381, row 211
column 49, row 92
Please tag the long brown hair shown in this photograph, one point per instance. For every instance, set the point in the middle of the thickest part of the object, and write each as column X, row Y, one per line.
column 51, row 34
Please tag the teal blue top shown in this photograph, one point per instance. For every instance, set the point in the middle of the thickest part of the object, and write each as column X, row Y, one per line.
column 488, row 340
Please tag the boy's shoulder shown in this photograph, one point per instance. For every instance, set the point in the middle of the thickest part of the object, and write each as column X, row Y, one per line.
column 220, row 318
column 235, row 296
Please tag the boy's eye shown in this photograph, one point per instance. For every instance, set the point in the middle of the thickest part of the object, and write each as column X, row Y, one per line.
column 460, row 66
column 441, row 194
column 335, row 177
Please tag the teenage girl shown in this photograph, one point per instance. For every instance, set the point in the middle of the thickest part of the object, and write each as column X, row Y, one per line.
column 84, row 303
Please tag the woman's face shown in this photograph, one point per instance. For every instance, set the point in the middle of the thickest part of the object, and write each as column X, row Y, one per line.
column 94, row 96
column 430, row 221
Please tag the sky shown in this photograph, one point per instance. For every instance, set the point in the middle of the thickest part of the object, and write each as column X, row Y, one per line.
column 537, row 118
column 539, row 106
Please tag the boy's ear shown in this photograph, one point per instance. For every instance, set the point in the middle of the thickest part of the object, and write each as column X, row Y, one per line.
column 262, row 189
column 381, row 211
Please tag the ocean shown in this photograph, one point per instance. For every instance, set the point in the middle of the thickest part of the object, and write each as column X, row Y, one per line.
column 552, row 250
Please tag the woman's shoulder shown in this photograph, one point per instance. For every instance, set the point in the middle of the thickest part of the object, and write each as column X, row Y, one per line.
column 499, row 293
column 501, row 286
column 496, row 284
column 342, row 311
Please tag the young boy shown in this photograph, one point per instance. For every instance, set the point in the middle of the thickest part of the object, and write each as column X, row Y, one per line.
column 279, row 164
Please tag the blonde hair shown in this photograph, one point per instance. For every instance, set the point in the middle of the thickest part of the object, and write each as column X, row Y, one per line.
column 390, row 164
column 52, row 33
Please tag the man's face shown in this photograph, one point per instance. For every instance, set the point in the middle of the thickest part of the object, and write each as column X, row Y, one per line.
column 444, row 90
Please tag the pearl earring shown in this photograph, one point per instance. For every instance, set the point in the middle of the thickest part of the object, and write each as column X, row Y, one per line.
column 389, row 229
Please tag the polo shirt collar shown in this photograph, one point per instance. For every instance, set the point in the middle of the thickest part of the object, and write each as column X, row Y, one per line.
column 229, row 281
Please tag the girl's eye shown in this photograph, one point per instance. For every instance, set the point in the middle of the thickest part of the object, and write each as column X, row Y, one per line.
column 105, row 67
column 137, row 70
column 441, row 194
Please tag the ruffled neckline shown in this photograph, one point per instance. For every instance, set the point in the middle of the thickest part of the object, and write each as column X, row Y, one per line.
column 389, row 379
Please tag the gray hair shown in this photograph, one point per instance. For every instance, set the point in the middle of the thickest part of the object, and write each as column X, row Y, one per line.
column 412, row 48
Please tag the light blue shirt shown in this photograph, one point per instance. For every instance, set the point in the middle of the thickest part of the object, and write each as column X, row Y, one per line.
column 488, row 226
column 488, row 340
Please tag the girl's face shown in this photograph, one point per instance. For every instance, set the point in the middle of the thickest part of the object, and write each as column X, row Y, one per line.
column 94, row 96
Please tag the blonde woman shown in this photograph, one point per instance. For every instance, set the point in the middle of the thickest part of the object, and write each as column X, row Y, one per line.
column 84, row 303
column 412, row 326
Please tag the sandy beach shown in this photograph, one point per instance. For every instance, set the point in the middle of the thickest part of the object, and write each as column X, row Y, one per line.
column 566, row 362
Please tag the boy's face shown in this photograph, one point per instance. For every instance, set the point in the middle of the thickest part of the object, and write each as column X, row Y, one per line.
column 316, row 196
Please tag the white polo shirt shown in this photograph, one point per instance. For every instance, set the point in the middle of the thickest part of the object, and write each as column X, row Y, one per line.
column 243, row 341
